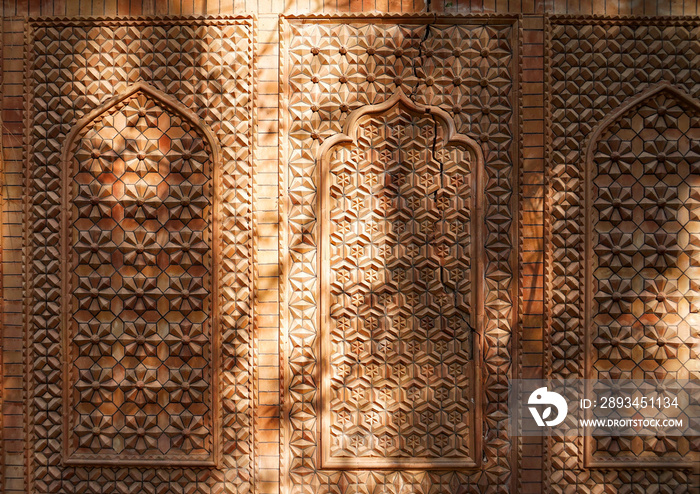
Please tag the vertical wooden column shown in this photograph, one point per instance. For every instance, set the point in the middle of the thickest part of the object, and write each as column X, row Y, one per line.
column 531, row 218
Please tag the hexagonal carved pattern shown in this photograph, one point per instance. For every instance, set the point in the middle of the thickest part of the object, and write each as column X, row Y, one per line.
column 399, row 312
column 139, row 321
column 142, row 313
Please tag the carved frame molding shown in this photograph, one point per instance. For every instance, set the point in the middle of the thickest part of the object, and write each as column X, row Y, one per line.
column 560, row 452
column 503, row 312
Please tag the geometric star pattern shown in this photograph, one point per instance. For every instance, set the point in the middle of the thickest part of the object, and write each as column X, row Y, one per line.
column 331, row 67
column 645, row 241
column 401, row 384
column 141, row 315
column 139, row 336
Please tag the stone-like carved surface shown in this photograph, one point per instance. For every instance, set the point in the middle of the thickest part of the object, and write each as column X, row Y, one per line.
column 594, row 67
column 332, row 66
column 398, row 306
column 139, row 320
column 73, row 68
column 644, row 178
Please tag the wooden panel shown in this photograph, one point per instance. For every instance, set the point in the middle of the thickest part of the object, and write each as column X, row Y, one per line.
column 141, row 326
column 145, row 321
column 642, row 290
column 631, row 200
column 400, row 302
column 332, row 66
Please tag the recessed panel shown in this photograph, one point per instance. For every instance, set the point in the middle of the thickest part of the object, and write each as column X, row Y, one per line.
column 398, row 305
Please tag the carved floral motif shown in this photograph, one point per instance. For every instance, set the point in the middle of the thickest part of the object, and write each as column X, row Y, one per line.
column 642, row 281
column 132, row 371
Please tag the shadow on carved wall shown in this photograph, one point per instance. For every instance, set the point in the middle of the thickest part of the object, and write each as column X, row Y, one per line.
column 400, row 301
column 140, row 297
column 643, row 267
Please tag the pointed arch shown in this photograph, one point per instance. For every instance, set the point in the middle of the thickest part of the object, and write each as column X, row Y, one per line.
column 381, row 142
column 165, row 99
column 162, row 288
column 351, row 127
column 627, row 106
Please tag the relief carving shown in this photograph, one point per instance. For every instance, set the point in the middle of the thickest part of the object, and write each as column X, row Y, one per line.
column 400, row 298
column 121, row 354
column 140, row 326
column 332, row 66
column 634, row 297
column 642, row 211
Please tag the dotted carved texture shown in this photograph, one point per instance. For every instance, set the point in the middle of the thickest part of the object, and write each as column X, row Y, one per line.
column 140, row 334
column 646, row 173
column 334, row 68
column 593, row 68
column 73, row 68
column 400, row 304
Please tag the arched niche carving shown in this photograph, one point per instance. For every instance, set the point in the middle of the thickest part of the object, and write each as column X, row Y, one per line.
column 642, row 287
column 140, row 285
column 400, row 200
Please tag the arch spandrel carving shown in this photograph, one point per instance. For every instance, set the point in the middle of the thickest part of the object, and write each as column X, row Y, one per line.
column 400, row 299
column 641, row 213
column 140, row 285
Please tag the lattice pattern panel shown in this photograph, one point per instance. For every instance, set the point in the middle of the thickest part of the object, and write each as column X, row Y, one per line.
column 643, row 292
column 139, row 334
column 74, row 67
column 399, row 333
column 645, row 216
column 333, row 66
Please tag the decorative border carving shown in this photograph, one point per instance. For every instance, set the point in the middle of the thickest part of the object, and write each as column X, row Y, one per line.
column 563, row 355
column 516, row 479
column 297, row 280
column 254, row 278
column 349, row 136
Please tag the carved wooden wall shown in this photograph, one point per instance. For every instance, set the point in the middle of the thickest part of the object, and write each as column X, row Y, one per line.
column 333, row 66
column 155, row 369
column 635, row 315
column 139, row 365
column 642, row 211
